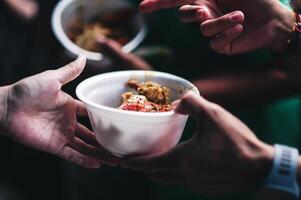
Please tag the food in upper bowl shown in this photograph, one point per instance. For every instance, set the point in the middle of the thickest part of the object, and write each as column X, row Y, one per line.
column 149, row 97
column 114, row 26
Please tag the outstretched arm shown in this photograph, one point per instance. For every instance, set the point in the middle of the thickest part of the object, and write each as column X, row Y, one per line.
column 248, row 88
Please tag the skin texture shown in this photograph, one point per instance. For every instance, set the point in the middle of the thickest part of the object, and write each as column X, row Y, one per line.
column 40, row 115
column 26, row 9
column 255, row 87
column 222, row 150
column 233, row 26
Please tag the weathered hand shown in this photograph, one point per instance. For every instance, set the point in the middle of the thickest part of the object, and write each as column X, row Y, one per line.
column 234, row 26
column 40, row 115
column 224, row 155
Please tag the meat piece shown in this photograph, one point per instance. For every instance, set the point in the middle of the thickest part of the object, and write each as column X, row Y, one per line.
column 152, row 91
column 136, row 103
column 151, row 97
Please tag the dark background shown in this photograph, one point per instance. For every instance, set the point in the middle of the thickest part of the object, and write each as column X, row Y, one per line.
column 27, row 48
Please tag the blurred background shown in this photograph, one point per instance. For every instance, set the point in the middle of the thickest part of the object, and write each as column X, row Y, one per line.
column 29, row 46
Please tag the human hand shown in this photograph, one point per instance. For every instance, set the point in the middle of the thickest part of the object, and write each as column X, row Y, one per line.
column 223, row 156
column 26, row 9
column 234, row 26
column 40, row 115
column 113, row 50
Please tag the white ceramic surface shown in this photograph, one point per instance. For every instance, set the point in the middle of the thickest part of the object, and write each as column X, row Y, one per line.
column 66, row 12
column 128, row 133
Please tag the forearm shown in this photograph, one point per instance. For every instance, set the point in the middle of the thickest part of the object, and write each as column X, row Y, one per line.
column 247, row 88
column 3, row 109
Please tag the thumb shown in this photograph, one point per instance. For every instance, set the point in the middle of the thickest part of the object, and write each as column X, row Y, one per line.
column 71, row 71
column 193, row 105
column 198, row 108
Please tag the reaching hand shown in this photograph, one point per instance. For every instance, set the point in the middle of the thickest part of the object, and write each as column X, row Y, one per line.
column 234, row 26
column 224, row 155
column 42, row 116
column 113, row 50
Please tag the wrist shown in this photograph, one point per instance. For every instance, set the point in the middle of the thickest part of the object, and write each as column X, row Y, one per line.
column 283, row 29
column 262, row 162
column 4, row 117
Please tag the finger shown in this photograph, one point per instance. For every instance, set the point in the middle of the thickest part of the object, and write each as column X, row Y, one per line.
column 94, row 152
column 146, row 164
column 192, row 104
column 193, row 13
column 187, row 13
column 158, row 162
column 86, row 135
column 77, row 158
column 83, row 148
column 71, row 71
column 215, row 26
column 81, row 109
column 200, row 109
column 221, row 43
column 114, row 50
column 148, row 6
column 205, row 13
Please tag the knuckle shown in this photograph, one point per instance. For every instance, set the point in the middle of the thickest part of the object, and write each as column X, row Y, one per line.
column 204, row 30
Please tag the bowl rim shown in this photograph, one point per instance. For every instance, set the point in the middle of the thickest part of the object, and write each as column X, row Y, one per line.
column 93, row 79
column 56, row 24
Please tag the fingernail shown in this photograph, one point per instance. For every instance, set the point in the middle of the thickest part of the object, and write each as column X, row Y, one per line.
column 200, row 14
column 236, row 18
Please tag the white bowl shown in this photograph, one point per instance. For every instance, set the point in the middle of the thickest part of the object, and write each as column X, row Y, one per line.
column 66, row 11
column 129, row 133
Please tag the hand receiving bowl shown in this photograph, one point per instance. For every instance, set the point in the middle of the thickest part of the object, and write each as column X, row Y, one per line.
column 128, row 133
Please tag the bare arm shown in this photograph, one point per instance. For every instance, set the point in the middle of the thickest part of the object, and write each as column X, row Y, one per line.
column 247, row 88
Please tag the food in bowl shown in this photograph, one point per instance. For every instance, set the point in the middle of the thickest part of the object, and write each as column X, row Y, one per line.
column 84, row 33
column 150, row 97
column 126, row 133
